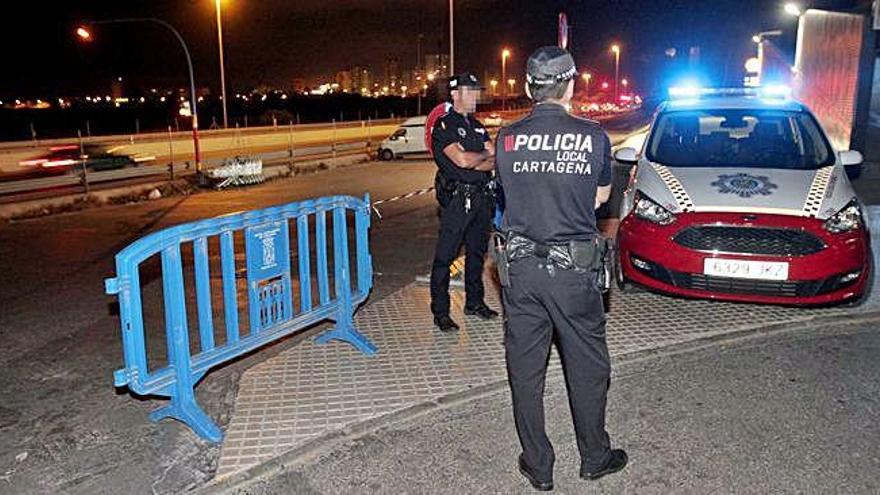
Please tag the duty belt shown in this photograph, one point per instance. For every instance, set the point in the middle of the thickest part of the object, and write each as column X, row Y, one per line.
column 468, row 191
column 572, row 255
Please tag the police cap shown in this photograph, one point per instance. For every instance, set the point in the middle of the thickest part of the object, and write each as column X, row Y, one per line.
column 550, row 65
column 465, row 79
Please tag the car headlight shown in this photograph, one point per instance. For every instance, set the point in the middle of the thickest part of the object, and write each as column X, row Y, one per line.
column 846, row 220
column 650, row 210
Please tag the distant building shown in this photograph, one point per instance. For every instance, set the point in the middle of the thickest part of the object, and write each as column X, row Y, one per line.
column 392, row 73
column 361, row 79
column 344, row 80
column 437, row 65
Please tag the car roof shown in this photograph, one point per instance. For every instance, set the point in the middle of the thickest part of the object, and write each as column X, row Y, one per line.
column 749, row 102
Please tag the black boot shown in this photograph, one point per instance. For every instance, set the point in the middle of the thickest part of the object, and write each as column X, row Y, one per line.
column 445, row 324
column 482, row 311
column 616, row 462
column 541, row 486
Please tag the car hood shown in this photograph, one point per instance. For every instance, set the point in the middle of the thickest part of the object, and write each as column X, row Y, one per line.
column 808, row 193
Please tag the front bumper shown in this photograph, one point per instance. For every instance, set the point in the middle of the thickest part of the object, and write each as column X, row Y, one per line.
column 650, row 256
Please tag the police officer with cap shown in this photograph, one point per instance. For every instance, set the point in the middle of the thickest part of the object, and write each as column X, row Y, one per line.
column 556, row 171
column 464, row 154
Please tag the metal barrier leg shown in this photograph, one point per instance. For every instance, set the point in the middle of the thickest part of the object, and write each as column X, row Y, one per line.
column 344, row 329
column 183, row 406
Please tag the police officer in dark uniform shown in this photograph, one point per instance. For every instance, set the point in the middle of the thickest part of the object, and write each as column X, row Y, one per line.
column 555, row 170
column 464, row 154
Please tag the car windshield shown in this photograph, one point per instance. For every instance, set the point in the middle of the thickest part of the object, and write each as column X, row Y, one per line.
column 739, row 138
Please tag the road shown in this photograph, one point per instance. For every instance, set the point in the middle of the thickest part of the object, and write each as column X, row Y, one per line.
column 62, row 425
column 791, row 412
column 213, row 144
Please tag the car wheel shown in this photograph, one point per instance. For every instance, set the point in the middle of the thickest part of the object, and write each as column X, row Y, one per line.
column 386, row 155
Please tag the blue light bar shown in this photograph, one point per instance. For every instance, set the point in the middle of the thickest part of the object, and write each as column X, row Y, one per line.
column 693, row 91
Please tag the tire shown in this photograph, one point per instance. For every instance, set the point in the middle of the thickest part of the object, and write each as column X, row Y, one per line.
column 386, row 155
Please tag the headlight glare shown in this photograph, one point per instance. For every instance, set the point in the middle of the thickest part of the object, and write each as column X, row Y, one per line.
column 845, row 220
column 650, row 210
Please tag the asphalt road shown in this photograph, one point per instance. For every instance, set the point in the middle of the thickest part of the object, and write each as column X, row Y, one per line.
column 60, row 413
column 787, row 412
column 63, row 427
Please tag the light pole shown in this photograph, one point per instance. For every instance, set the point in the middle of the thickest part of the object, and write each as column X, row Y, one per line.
column 505, row 54
column 494, row 84
column 84, row 33
column 586, row 76
column 451, row 37
column 615, row 49
column 222, row 69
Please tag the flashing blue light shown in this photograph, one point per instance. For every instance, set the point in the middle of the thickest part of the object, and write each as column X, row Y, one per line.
column 776, row 91
column 687, row 91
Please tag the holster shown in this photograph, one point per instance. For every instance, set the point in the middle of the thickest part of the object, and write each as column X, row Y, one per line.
column 443, row 189
column 502, row 261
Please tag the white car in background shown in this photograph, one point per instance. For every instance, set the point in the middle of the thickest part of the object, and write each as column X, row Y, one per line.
column 407, row 139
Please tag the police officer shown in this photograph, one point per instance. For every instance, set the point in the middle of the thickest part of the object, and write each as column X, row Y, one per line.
column 464, row 154
column 555, row 170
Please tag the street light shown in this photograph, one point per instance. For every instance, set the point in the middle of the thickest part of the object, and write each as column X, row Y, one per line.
column 615, row 49
column 85, row 34
column 511, row 82
column 759, row 39
column 222, row 69
column 494, row 84
column 792, row 8
column 505, row 54
column 586, row 76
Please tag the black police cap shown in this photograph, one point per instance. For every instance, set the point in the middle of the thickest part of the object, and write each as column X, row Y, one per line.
column 550, row 65
column 465, row 79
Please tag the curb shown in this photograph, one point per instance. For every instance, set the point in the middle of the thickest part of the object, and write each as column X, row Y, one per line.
column 241, row 481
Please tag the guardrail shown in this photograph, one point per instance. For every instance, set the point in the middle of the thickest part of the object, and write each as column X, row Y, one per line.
column 179, row 169
column 270, row 313
column 186, row 135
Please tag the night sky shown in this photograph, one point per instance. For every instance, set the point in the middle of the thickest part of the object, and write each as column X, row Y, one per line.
column 270, row 42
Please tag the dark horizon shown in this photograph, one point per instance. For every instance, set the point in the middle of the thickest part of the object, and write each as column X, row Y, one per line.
column 272, row 42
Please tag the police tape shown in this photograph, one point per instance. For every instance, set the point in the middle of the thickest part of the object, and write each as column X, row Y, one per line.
column 417, row 192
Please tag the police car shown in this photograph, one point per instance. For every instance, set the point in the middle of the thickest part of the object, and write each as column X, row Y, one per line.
column 738, row 195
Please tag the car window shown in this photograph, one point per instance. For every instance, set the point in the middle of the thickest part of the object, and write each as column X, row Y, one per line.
column 399, row 133
column 739, row 138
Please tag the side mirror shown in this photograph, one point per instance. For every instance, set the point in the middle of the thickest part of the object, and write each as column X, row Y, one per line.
column 849, row 158
column 626, row 155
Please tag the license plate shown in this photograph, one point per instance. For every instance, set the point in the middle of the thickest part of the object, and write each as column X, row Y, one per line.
column 754, row 270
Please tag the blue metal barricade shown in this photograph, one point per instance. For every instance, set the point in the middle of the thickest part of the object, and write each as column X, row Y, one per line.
column 270, row 308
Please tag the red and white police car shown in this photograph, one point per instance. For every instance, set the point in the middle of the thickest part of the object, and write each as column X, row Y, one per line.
column 738, row 195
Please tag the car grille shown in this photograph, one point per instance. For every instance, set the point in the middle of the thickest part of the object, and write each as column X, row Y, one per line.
column 785, row 288
column 750, row 240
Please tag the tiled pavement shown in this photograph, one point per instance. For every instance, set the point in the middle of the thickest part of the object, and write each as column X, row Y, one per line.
column 314, row 389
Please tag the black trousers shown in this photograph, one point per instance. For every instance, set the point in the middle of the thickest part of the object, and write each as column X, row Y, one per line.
column 457, row 226
column 567, row 306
